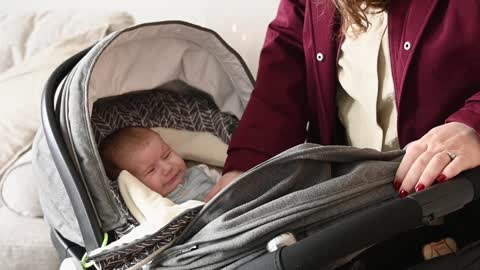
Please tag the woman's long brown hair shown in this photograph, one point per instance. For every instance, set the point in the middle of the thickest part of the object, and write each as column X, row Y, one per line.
column 353, row 12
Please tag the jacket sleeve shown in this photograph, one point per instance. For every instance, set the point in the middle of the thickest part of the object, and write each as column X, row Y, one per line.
column 469, row 114
column 276, row 115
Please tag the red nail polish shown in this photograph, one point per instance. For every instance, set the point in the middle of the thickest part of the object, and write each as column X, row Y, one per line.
column 397, row 185
column 420, row 187
column 441, row 178
column 403, row 193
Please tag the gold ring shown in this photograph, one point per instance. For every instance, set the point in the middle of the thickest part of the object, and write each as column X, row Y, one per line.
column 451, row 155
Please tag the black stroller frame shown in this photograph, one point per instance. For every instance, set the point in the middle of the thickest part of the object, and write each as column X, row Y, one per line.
column 344, row 238
column 82, row 203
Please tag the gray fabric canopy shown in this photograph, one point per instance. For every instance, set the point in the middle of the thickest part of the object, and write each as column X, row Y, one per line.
column 143, row 57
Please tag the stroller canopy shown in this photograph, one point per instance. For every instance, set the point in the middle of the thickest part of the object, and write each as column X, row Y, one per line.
column 152, row 55
column 174, row 56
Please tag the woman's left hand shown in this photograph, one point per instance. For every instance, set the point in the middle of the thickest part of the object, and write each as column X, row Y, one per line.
column 441, row 154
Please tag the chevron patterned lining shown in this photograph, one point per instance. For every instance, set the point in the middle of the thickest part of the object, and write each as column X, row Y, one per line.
column 190, row 110
column 129, row 256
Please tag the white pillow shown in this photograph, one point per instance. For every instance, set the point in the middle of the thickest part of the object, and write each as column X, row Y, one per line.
column 24, row 33
column 18, row 190
column 20, row 92
column 25, row 243
column 202, row 147
column 150, row 209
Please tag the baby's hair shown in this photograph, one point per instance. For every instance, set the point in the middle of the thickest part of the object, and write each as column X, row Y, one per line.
column 123, row 140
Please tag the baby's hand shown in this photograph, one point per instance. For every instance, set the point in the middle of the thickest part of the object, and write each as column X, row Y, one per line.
column 224, row 181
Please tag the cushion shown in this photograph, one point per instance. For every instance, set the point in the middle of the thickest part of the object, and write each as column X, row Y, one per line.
column 20, row 92
column 148, row 206
column 25, row 243
column 18, row 191
column 202, row 147
column 161, row 221
column 24, row 33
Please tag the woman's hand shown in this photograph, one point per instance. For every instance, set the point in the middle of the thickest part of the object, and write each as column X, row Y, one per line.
column 441, row 154
column 224, row 181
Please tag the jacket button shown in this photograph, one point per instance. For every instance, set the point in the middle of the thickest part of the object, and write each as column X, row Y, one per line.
column 320, row 57
column 407, row 45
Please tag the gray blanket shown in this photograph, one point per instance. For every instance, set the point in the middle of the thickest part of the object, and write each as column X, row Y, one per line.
column 301, row 190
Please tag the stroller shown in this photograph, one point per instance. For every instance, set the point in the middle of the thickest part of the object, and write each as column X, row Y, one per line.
column 178, row 75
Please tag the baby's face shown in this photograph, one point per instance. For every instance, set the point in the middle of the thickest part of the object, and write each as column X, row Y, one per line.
column 157, row 166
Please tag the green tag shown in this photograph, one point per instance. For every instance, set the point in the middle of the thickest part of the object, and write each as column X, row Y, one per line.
column 84, row 263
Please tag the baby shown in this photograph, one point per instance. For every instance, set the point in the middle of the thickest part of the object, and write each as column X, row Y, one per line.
column 144, row 154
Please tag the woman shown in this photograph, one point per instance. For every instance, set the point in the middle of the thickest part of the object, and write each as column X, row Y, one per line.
column 369, row 73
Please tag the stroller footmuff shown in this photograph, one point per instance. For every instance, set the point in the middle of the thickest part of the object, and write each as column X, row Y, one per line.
column 336, row 201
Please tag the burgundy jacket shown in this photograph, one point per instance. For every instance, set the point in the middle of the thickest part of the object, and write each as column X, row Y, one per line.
column 435, row 58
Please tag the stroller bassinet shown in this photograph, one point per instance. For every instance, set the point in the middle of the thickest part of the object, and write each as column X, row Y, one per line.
column 180, row 57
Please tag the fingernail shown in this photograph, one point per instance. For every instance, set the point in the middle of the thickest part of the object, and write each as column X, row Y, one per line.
column 397, row 185
column 441, row 178
column 403, row 193
column 420, row 187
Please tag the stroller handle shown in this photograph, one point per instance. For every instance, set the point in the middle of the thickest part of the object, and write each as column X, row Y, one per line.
column 87, row 217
